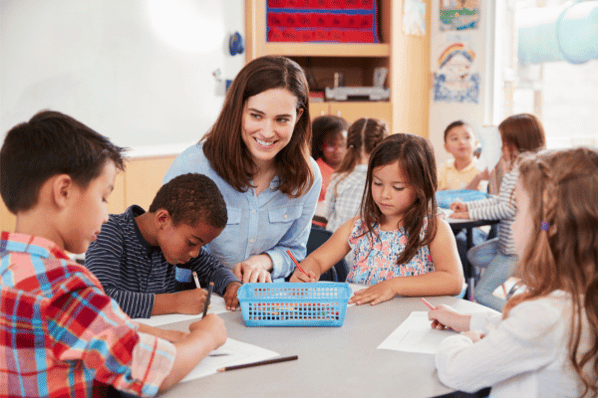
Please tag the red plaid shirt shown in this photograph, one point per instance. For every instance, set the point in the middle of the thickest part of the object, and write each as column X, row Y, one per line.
column 61, row 336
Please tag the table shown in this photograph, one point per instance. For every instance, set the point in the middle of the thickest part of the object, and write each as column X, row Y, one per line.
column 333, row 361
column 468, row 224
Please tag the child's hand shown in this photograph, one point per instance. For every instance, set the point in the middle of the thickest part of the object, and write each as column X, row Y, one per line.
column 190, row 301
column 299, row 276
column 172, row 335
column 247, row 272
column 376, row 294
column 230, row 296
column 460, row 215
column 445, row 317
column 484, row 175
column 474, row 335
column 458, row 206
column 212, row 326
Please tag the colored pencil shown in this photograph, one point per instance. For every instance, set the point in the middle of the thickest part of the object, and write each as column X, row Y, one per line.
column 427, row 303
column 296, row 263
column 205, row 308
column 260, row 363
column 197, row 284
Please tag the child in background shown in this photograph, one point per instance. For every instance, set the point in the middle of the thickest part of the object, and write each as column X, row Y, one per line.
column 345, row 191
column 64, row 336
column 328, row 146
column 519, row 133
column 460, row 172
column 136, row 255
column 399, row 245
column 545, row 342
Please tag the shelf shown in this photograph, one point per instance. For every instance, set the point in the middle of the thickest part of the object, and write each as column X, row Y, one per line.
column 327, row 49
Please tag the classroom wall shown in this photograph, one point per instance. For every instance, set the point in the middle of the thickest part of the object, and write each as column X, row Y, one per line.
column 137, row 71
column 483, row 41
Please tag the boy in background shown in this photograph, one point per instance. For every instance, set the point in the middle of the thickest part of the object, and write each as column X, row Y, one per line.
column 460, row 172
column 137, row 253
column 60, row 334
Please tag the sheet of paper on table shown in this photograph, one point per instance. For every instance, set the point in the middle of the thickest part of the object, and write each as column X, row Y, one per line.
column 415, row 335
column 217, row 306
column 233, row 352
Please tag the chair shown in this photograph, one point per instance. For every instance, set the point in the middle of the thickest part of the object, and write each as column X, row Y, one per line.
column 317, row 237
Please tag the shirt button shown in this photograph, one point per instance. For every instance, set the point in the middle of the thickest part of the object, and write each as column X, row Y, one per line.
column 285, row 216
column 251, row 240
column 253, row 211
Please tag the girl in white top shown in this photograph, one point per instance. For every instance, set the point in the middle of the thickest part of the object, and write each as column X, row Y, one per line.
column 545, row 343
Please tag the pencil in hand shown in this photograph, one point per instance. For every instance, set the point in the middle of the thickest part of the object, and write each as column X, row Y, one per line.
column 197, row 284
column 260, row 363
column 207, row 303
column 427, row 304
column 296, row 263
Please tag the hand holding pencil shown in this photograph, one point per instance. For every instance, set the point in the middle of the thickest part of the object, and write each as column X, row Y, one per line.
column 300, row 274
column 444, row 317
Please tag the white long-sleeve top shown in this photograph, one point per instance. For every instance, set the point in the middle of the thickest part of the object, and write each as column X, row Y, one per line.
column 525, row 355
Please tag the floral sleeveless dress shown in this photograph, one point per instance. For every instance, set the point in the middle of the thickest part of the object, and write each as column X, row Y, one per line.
column 375, row 259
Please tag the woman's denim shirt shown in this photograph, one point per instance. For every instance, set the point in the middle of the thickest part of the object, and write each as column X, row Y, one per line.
column 269, row 223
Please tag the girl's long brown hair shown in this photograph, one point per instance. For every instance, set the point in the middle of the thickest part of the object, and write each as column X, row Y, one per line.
column 524, row 133
column 362, row 137
column 224, row 147
column 563, row 190
column 415, row 158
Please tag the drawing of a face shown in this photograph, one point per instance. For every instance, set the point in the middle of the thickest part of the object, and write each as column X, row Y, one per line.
column 457, row 68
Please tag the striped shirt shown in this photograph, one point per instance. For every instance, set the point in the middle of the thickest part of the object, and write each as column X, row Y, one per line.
column 62, row 336
column 343, row 197
column 132, row 271
column 501, row 208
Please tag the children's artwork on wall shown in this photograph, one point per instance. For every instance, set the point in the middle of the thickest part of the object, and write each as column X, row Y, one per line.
column 414, row 18
column 459, row 14
column 456, row 79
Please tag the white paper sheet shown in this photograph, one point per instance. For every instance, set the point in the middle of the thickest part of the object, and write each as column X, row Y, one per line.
column 415, row 335
column 233, row 352
column 491, row 143
column 355, row 288
column 217, row 306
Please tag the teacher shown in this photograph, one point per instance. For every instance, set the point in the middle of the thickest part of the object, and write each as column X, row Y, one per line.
column 257, row 153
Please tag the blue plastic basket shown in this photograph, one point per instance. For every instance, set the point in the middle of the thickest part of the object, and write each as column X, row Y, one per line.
column 294, row 304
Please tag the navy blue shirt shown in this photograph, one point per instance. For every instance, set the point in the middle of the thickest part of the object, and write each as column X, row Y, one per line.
column 132, row 272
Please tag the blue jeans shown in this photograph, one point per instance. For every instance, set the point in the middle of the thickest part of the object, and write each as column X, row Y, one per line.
column 498, row 268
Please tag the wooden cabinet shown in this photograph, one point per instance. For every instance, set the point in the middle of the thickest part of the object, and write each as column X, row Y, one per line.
column 406, row 57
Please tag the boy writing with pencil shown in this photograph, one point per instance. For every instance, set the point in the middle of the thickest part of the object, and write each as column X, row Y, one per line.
column 60, row 334
column 136, row 255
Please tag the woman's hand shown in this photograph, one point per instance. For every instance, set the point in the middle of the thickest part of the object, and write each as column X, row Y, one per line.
column 376, row 294
column 230, row 296
column 458, row 206
column 252, row 270
column 445, row 317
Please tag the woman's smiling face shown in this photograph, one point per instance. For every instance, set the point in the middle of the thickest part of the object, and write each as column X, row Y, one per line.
column 269, row 119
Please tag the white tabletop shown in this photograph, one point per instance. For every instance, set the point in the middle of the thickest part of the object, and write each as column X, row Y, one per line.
column 333, row 361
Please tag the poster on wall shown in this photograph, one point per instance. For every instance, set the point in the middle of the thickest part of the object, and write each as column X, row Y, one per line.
column 414, row 18
column 456, row 78
column 459, row 14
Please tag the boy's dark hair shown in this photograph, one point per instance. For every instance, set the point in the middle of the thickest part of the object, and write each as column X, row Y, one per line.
column 50, row 143
column 190, row 198
column 456, row 123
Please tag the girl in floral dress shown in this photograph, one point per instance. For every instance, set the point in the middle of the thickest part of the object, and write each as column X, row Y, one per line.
column 399, row 245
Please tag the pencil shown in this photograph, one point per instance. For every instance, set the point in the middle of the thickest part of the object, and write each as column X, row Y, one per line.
column 296, row 263
column 197, row 284
column 260, row 363
column 427, row 303
column 205, row 308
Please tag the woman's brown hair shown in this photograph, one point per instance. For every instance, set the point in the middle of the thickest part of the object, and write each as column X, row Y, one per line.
column 563, row 188
column 415, row 158
column 224, row 147
column 523, row 132
column 362, row 137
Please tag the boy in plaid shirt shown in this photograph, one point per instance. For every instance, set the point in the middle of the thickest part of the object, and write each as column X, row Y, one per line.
column 60, row 334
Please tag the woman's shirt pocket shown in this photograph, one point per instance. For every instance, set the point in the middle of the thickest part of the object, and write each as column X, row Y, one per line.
column 280, row 222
